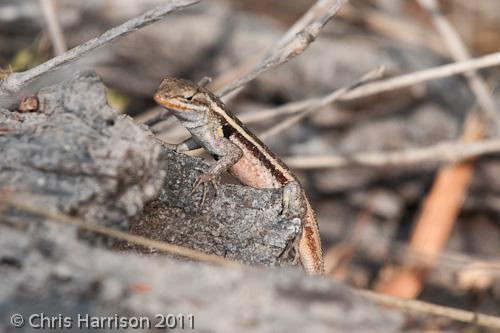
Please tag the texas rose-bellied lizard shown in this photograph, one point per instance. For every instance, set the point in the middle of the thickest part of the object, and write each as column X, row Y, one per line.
column 239, row 151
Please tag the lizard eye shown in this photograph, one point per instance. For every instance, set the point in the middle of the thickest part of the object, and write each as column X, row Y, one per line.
column 188, row 95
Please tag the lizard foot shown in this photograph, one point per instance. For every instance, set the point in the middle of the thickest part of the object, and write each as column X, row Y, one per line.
column 292, row 248
column 204, row 180
column 293, row 211
column 292, row 201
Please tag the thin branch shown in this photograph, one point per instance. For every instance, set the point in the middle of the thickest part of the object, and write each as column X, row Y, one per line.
column 232, row 74
column 449, row 260
column 433, row 309
column 410, row 79
column 320, row 103
column 318, row 15
column 459, row 52
column 120, row 235
column 293, row 43
column 285, row 109
column 15, row 82
column 447, row 152
column 381, row 86
column 314, row 106
column 54, row 27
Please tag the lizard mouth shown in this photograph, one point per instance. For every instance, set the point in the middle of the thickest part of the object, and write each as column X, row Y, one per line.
column 169, row 103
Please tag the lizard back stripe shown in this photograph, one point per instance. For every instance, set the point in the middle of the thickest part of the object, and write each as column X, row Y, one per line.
column 253, row 143
column 281, row 178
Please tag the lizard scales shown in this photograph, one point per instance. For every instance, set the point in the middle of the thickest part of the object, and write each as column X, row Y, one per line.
column 211, row 124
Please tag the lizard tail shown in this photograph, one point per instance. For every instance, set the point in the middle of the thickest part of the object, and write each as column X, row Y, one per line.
column 310, row 252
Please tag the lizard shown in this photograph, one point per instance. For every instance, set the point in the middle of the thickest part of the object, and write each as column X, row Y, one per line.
column 237, row 150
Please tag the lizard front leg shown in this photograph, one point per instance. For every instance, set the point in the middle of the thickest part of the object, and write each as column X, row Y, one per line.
column 227, row 154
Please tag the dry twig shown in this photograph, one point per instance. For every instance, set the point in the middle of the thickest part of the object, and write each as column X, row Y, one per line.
column 459, row 52
column 449, row 260
column 381, row 86
column 320, row 103
column 12, row 85
column 433, row 309
column 445, row 152
column 436, row 218
column 439, row 72
column 116, row 234
column 293, row 43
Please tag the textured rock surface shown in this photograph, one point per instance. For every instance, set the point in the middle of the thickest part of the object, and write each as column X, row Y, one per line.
column 56, row 275
column 78, row 156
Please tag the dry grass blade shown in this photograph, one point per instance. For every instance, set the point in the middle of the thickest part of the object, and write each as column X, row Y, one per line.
column 120, row 235
column 293, row 43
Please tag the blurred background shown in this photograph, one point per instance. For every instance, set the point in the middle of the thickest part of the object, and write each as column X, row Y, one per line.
column 366, row 214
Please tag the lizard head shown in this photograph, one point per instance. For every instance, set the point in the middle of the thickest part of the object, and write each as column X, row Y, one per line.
column 181, row 97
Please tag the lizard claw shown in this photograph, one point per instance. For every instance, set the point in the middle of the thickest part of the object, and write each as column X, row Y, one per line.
column 203, row 180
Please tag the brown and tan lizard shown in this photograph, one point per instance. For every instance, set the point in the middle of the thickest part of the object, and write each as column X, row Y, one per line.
column 237, row 150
